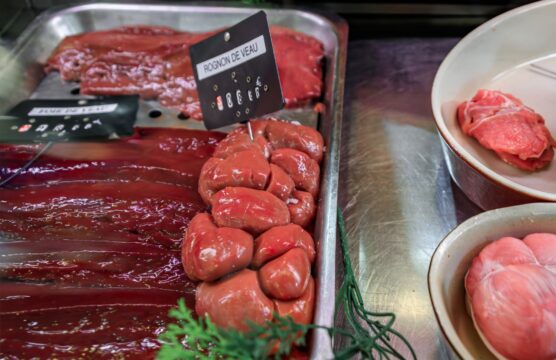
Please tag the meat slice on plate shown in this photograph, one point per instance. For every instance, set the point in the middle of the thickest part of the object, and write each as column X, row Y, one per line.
column 252, row 210
column 300, row 309
column 529, row 164
column 233, row 301
column 287, row 276
column 511, row 289
column 209, row 252
column 247, row 168
column 502, row 123
column 283, row 134
column 279, row 240
column 304, row 171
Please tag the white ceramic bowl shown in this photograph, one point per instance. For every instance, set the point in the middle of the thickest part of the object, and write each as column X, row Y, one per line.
column 452, row 259
column 498, row 55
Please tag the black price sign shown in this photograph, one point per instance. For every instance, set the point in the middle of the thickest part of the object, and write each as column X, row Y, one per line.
column 236, row 73
column 69, row 120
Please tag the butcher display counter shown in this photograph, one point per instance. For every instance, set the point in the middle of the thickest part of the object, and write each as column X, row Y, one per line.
column 394, row 188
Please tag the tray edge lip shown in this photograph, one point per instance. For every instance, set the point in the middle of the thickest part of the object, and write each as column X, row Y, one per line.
column 333, row 21
column 341, row 30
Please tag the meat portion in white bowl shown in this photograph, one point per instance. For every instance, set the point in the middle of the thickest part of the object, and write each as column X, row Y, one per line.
column 502, row 123
column 511, row 290
column 505, row 53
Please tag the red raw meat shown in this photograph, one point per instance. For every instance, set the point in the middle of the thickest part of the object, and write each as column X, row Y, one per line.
column 91, row 263
column 282, row 134
column 529, row 164
column 273, row 134
column 209, row 252
column 145, row 156
column 46, row 321
column 149, row 61
column 511, row 287
column 196, row 143
column 280, row 183
column 279, row 240
column 300, row 309
column 304, row 171
column 97, row 161
column 247, row 168
column 233, row 301
column 298, row 58
column 154, row 62
column 258, row 128
column 287, row 276
column 302, row 208
column 147, row 212
column 284, row 252
column 501, row 123
column 237, row 141
column 254, row 211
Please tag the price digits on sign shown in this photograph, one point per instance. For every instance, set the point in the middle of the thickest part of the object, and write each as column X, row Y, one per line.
column 59, row 129
column 231, row 99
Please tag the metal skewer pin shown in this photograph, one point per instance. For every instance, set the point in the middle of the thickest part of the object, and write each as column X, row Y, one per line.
column 250, row 130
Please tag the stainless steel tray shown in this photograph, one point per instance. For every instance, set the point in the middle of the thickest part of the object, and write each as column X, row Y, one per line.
column 22, row 76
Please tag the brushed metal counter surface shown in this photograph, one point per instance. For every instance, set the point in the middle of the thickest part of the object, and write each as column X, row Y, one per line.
column 395, row 190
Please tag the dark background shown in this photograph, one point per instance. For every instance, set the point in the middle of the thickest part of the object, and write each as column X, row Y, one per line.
column 367, row 19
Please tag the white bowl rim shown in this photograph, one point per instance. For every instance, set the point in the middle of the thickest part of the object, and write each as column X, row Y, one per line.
column 435, row 288
column 439, row 119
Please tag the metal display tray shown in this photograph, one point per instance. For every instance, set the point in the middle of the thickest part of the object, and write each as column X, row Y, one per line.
column 22, row 76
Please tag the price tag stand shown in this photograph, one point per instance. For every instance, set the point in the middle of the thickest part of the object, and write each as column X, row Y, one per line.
column 236, row 74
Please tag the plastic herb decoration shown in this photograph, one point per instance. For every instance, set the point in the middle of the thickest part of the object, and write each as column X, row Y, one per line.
column 192, row 338
column 368, row 334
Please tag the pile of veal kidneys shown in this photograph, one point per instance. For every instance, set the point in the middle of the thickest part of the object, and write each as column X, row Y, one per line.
column 252, row 253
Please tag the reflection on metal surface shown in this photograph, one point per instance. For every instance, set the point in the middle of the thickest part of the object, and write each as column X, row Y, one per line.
column 397, row 196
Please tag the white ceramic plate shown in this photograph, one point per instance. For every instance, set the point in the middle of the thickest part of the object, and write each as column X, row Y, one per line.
column 502, row 54
column 452, row 259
